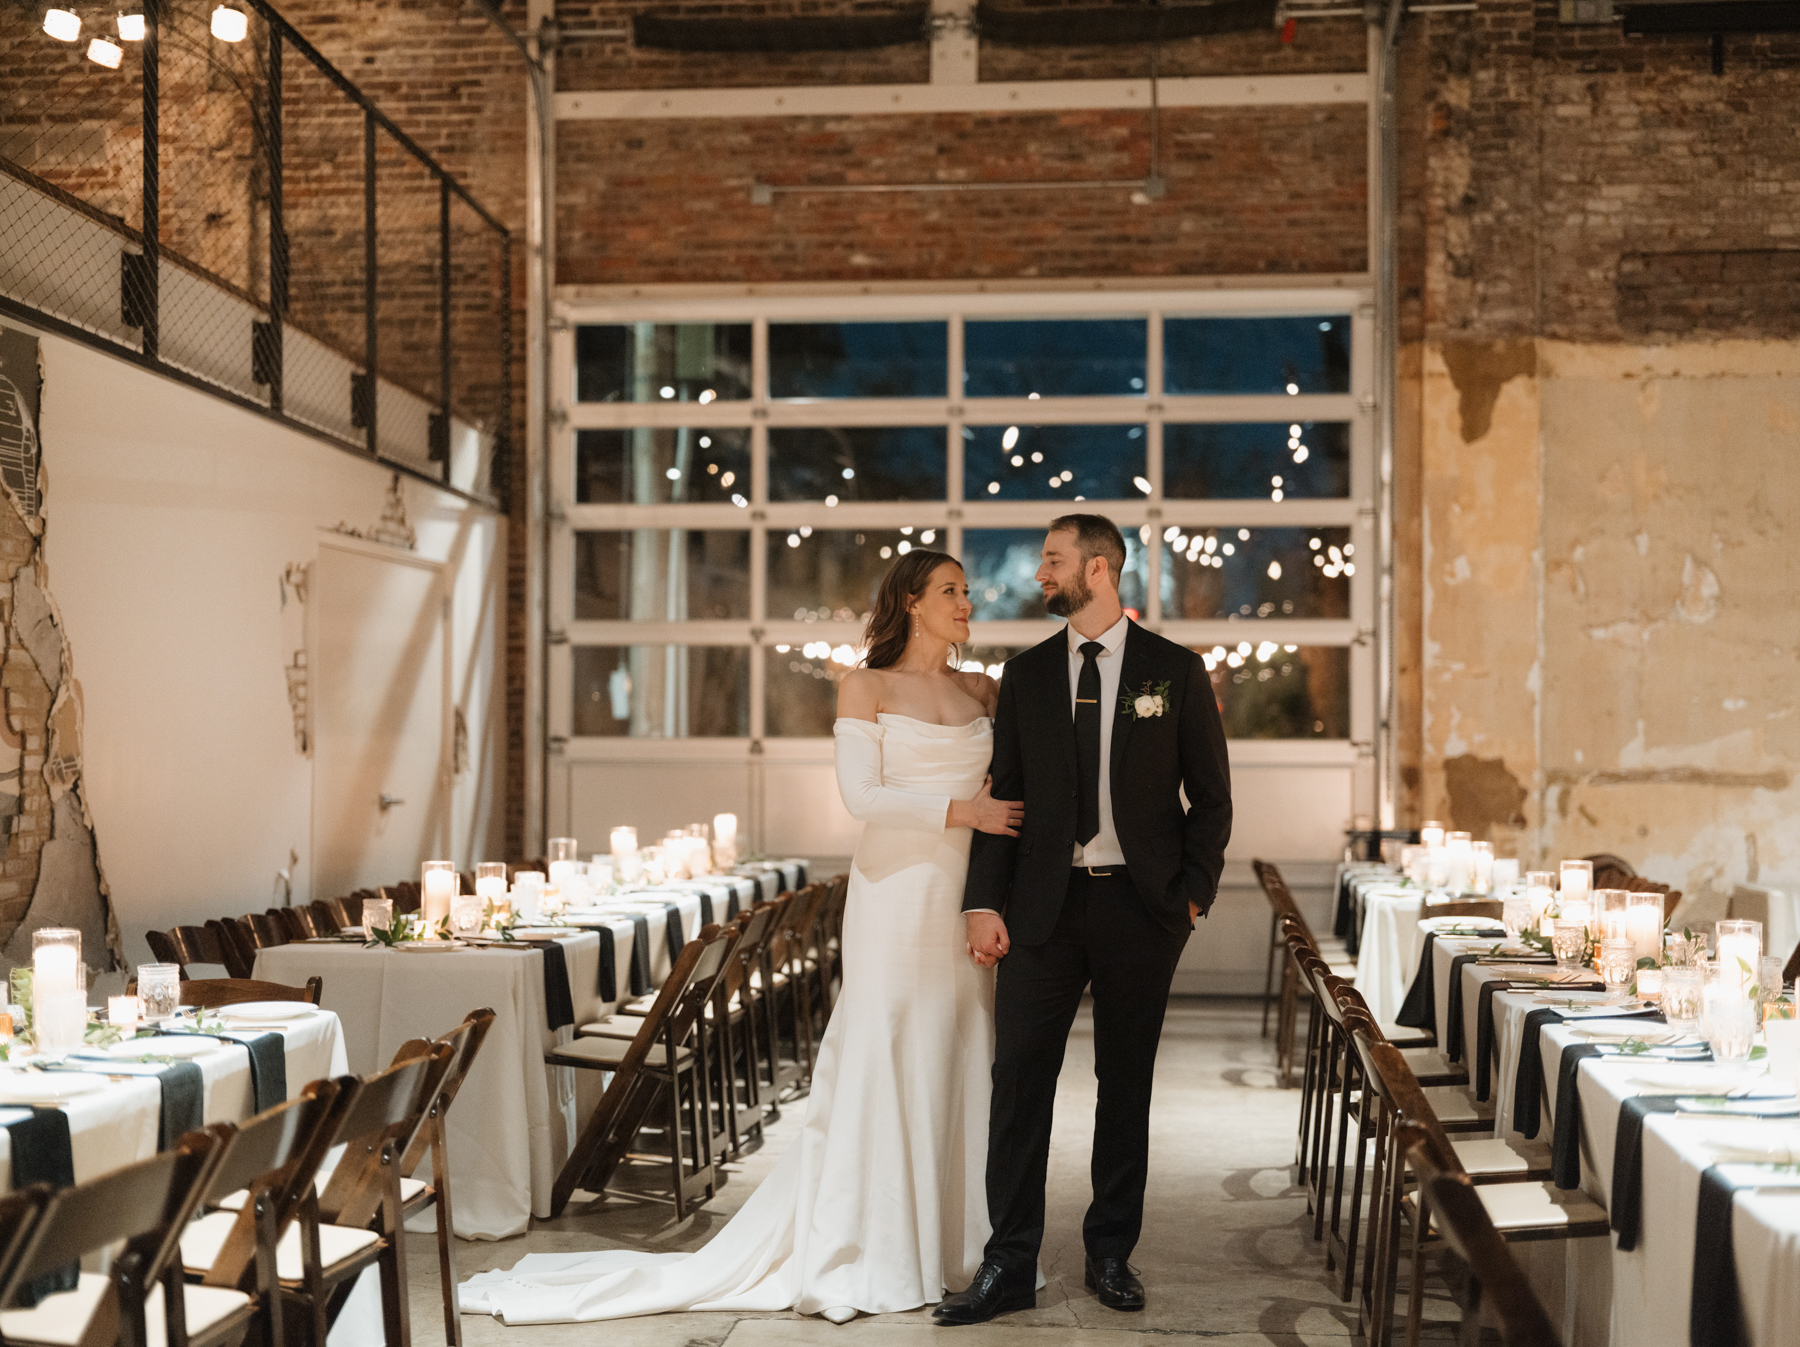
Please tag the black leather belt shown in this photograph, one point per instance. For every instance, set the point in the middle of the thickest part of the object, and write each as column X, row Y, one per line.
column 1102, row 871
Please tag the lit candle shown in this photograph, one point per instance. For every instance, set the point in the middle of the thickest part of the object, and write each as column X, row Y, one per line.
column 1540, row 891
column 53, row 969
column 1576, row 909
column 1577, row 878
column 1739, row 952
column 1649, row 983
column 1460, row 862
column 1611, row 914
column 1506, row 871
column 561, row 872
column 1431, row 833
column 437, row 890
column 725, row 840
column 628, row 861
column 1483, row 853
column 1643, row 923
column 122, row 1014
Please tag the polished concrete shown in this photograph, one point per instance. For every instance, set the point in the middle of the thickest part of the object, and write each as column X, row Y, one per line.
column 1226, row 1254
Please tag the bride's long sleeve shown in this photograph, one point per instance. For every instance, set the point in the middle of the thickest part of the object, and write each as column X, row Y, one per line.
column 866, row 797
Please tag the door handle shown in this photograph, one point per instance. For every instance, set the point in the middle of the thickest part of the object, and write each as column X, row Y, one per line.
column 389, row 801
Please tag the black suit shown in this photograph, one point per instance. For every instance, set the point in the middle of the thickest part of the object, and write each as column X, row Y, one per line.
column 1069, row 930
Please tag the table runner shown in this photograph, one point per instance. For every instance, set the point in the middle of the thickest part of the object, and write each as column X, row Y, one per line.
column 268, row 1062
column 1565, row 1134
column 1419, row 1010
column 1453, row 1011
column 559, row 1004
column 1528, row 1085
column 1626, row 1214
column 1485, row 1045
column 1714, row 1316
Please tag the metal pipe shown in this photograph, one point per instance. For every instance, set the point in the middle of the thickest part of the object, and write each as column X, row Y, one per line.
column 761, row 191
column 150, row 279
column 370, row 332
column 1384, row 29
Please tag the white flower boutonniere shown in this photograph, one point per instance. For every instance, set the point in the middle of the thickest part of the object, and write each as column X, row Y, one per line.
column 1150, row 700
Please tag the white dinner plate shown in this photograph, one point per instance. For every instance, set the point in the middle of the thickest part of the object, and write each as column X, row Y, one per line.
column 541, row 932
column 46, row 1087
column 1773, row 1144
column 263, row 1012
column 1700, row 1078
column 1617, row 1031
column 431, row 946
column 163, row 1045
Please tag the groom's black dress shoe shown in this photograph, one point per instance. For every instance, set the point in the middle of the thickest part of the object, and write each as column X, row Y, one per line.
column 994, row 1291
column 1112, row 1280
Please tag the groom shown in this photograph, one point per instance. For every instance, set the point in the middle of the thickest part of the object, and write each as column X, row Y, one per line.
column 1098, row 731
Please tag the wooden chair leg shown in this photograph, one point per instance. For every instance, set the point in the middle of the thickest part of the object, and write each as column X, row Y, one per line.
column 446, row 1233
column 396, row 1307
column 1269, row 971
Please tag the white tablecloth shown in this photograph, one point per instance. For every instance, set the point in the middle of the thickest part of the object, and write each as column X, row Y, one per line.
column 1602, row 1297
column 514, row 1120
column 1389, row 954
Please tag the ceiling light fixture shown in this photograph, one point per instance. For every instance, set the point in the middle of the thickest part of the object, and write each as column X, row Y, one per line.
column 131, row 27
column 62, row 24
column 230, row 25
column 108, row 54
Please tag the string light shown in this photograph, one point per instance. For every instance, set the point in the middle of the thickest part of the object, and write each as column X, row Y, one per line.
column 62, row 24
column 233, row 25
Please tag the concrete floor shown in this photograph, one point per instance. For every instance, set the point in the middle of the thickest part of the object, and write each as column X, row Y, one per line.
column 1226, row 1255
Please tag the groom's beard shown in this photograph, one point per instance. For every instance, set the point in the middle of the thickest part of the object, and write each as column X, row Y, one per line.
column 1071, row 598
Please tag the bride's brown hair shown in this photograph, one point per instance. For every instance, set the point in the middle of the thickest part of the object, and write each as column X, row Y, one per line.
column 890, row 624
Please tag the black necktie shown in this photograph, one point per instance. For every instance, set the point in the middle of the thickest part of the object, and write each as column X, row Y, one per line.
column 1087, row 743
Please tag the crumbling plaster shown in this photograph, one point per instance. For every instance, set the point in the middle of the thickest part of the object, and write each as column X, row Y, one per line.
column 1609, row 614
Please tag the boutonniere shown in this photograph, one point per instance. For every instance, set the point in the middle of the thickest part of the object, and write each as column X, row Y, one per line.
column 1150, row 700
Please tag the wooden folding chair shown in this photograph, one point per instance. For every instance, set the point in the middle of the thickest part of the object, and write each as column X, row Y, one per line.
column 296, row 921
column 648, row 1068
column 327, row 917
column 793, row 979
column 1492, row 1278
column 1280, row 903
column 212, row 993
column 265, row 1170
column 404, row 897
column 465, row 1042
column 743, row 1004
column 265, row 932
column 146, row 1205
column 213, row 943
column 1513, row 1182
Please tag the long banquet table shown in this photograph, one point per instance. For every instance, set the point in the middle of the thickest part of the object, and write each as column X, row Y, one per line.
column 1642, row 1294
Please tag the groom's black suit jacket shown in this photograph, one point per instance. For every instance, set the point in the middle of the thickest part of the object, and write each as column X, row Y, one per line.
column 1174, row 857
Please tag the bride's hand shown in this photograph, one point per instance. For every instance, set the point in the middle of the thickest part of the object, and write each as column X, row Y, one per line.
column 986, row 814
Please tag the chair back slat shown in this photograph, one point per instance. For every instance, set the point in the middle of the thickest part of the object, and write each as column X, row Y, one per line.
column 213, row 992
column 266, row 932
column 1459, row 1217
column 326, row 918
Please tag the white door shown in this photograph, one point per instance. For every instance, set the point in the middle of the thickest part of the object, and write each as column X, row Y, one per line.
column 380, row 693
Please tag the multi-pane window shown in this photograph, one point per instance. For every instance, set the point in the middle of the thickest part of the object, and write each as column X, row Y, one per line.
column 729, row 494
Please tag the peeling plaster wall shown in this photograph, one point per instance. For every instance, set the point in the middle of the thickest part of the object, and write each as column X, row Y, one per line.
column 172, row 520
column 1612, row 650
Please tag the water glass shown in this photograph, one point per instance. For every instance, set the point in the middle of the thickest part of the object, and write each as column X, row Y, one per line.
column 1731, row 1026
column 1682, row 989
column 377, row 915
column 159, row 988
column 1768, row 980
column 1515, row 915
column 1617, row 963
column 1680, row 951
column 1568, row 941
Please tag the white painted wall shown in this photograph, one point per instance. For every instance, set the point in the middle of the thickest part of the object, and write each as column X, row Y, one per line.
column 170, row 519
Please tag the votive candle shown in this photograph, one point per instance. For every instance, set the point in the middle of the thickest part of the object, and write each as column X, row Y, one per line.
column 122, row 1013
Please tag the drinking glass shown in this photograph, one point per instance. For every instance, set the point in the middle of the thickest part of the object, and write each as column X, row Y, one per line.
column 377, row 915
column 1681, row 997
column 1515, row 915
column 1679, row 951
column 1616, row 963
column 159, row 988
column 465, row 914
column 562, row 849
column 1731, row 1025
column 1569, row 942
column 1768, row 980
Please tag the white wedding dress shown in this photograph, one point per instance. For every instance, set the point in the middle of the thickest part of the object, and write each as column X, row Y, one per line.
column 879, row 1204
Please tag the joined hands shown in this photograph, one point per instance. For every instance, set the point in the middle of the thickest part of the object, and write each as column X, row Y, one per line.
column 988, row 941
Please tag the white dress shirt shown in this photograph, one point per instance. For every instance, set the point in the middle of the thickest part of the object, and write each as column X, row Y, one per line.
column 1103, row 849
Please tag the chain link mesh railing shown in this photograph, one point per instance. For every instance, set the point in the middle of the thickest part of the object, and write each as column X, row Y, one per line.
column 302, row 255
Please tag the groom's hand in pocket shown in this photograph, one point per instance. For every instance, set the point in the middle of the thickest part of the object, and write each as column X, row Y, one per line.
column 988, row 941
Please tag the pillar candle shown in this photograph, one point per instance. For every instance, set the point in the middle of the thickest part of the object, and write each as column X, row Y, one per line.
column 53, row 969
column 1643, row 923
column 1484, row 866
column 437, row 889
column 1431, row 833
column 628, row 861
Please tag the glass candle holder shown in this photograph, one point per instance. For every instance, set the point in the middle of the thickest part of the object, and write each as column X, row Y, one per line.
column 1644, row 923
column 1540, row 892
column 122, row 1014
column 490, row 881
column 1506, row 872
column 58, row 990
column 438, row 886
column 1650, row 984
column 1616, row 964
column 377, row 915
column 1731, row 1022
column 628, row 861
column 1568, row 940
column 1678, row 951
column 1681, row 998
column 1460, row 857
column 1515, row 915
column 1738, row 947
column 1576, row 879
column 1431, row 833
column 1609, row 911
column 563, row 849
column 527, row 885
column 1482, row 854
column 159, row 988
column 1437, row 868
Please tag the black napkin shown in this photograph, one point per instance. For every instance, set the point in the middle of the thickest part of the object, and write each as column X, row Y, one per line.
column 1528, row 1087
column 1484, row 1035
column 706, row 908
column 183, row 1102
column 1565, row 1138
column 640, row 954
column 1628, row 1165
column 1714, row 1315
column 559, row 1005
column 1340, row 922
column 268, row 1067
column 1452, row 1035
column 1419, row 1010
column 41, row 1154
column 608, row 987
column 677, row 937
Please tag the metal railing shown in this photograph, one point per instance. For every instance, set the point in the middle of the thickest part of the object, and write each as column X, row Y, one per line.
column 238, row 215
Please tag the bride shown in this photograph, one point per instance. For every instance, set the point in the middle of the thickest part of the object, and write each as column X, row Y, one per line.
column 879, row 1203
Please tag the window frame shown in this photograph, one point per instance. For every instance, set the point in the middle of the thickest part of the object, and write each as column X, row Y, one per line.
column 953, row 514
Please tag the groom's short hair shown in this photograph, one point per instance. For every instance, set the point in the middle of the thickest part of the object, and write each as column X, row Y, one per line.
column 1095, row 536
